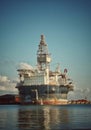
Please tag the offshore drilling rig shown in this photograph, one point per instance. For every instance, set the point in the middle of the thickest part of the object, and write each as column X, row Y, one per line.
column 41, row 85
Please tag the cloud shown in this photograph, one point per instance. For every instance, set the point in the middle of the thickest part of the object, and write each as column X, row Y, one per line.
column 25, row 66
column 80, row 93
column 4, row 79
column 7, row 86
column 2, row 88
column 82, row 90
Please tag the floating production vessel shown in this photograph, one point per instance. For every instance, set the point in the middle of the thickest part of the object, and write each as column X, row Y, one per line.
column 40, row 85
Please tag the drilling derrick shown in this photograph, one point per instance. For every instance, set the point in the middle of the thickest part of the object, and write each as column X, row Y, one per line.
column 43, row 56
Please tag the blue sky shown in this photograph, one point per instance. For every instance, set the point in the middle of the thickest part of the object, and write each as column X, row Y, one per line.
column 66, row 25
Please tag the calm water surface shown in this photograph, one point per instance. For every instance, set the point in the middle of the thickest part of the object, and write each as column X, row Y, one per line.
column 18, row 117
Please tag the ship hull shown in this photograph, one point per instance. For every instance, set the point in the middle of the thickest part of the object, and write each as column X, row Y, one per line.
column 43, row 94
column 53, row 102
column 46, row 102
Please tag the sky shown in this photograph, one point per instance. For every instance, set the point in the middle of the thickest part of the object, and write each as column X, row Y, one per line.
column 66, row 25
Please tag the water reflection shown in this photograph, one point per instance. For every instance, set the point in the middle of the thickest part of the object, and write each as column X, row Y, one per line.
column 30, row 118
column 18, row 117
column 41, row 117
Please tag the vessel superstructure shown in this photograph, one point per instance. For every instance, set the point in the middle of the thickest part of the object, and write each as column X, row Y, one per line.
column 40, row 85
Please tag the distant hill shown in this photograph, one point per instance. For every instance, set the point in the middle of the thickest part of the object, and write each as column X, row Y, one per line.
column 9, row 99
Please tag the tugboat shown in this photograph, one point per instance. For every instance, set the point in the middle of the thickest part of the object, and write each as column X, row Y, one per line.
column 40, row 85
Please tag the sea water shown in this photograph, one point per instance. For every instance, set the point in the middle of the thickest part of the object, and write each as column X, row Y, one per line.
column 36, row 117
